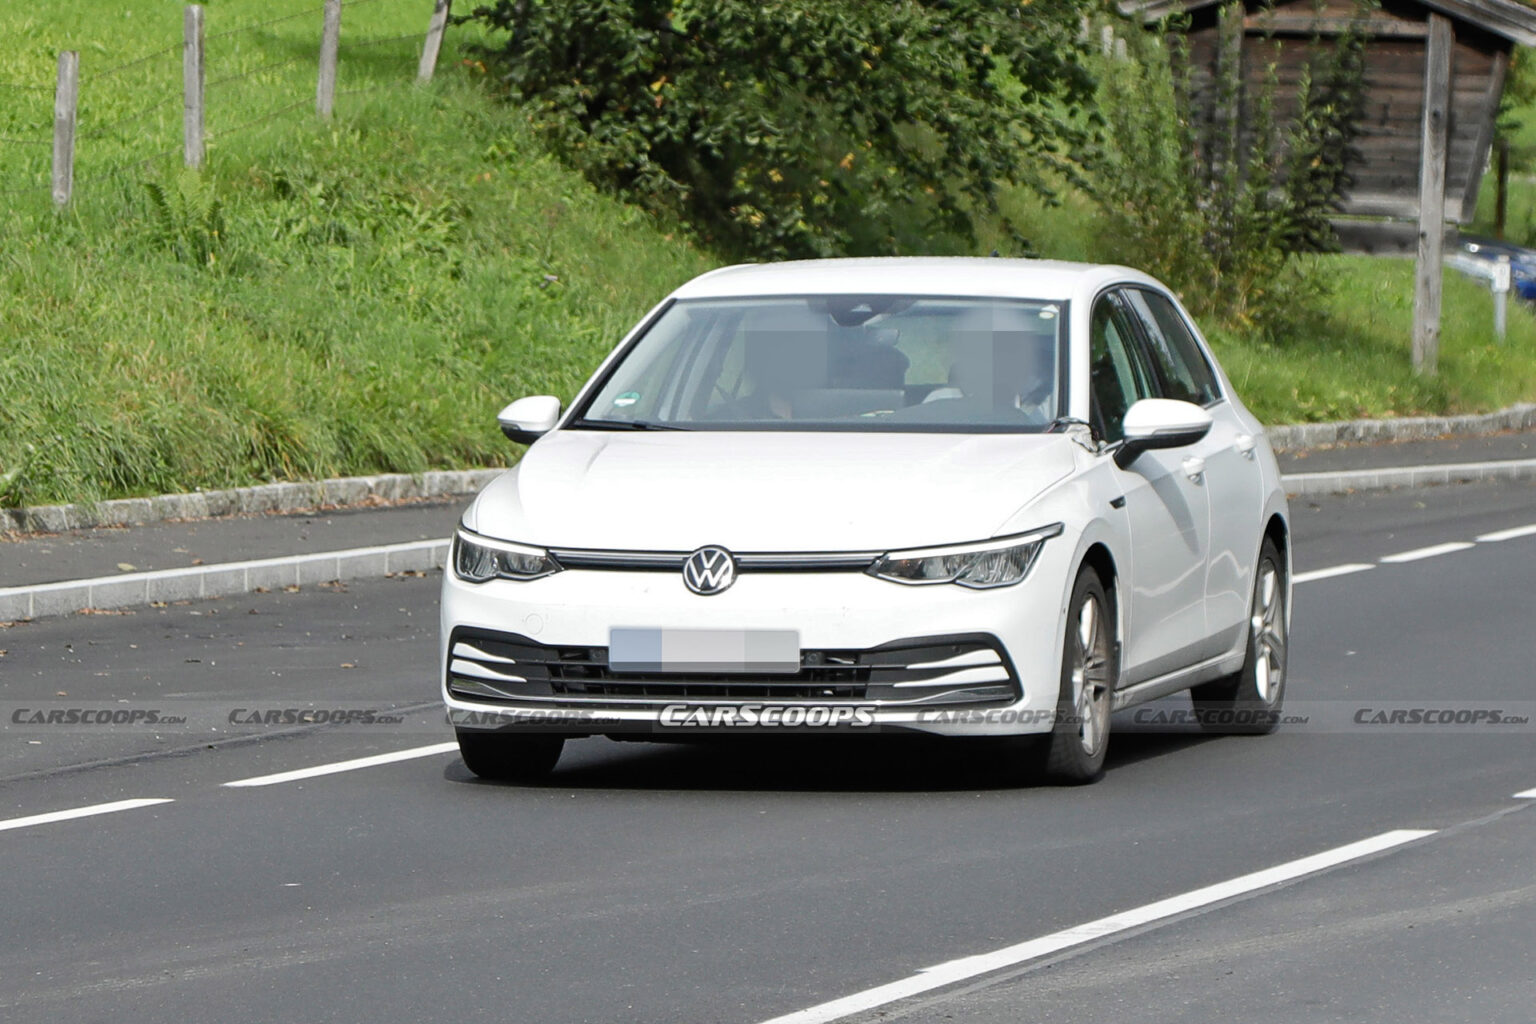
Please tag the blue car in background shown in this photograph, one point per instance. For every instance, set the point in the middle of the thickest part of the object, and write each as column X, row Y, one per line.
column 1522, row 262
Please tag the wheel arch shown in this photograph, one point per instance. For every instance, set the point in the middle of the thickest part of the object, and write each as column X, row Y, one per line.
column 1098, row 557
column 1278, row 531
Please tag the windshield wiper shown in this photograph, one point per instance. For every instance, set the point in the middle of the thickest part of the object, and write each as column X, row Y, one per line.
column 623, row 425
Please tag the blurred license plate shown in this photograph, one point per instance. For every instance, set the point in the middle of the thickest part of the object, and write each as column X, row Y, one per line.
column 704, row 650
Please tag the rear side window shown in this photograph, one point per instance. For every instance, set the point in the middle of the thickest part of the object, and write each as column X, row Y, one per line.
column 1182, row 368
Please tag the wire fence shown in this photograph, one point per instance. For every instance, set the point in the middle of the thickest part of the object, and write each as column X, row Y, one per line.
column 198, row 92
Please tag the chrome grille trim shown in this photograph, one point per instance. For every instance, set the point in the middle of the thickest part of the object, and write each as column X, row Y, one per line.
column 672, row 561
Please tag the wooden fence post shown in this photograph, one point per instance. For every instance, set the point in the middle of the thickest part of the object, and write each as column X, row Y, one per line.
column 1503, row 281
column 434, row 41
column 1432, row 150
column 192, row 85
column 66, row 101
column 330, row 41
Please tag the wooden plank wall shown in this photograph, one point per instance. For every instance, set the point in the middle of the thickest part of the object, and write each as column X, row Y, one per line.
column 1386, row 175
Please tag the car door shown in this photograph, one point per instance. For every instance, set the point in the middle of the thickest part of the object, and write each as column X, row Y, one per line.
column 1232, row 479
column 1165, row 505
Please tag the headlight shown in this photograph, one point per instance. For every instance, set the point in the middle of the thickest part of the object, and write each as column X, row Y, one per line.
column 1001, row 562
column 477, row 559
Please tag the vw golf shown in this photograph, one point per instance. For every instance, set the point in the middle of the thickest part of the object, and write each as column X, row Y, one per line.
column 963, row 497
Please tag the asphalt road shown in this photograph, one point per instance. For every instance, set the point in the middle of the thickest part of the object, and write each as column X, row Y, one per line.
column 738, row 884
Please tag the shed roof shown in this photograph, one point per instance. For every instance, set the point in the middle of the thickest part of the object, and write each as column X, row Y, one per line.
column 1510, row 19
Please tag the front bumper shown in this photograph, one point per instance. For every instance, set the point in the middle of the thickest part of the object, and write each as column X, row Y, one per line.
column 874, row 655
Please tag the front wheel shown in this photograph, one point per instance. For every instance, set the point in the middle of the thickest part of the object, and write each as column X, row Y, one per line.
column 1078, row 741
column 1249, row 703
column 509, row 757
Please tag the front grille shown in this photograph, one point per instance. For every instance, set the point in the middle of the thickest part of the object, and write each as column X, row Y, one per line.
column 487, row 666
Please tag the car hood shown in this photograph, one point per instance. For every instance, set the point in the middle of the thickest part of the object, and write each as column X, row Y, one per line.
column 766, row 491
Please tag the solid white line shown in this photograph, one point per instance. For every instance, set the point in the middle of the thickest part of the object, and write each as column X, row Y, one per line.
column 1529, row 794
column 1510, row 534
column 1330, row 572
column 78, row 812
column 1429, row 552
column 345, row 766
column 941, row 975
column 281, row 561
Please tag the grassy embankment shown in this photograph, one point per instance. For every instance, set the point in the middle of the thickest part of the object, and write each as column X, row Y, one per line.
column 363, row 295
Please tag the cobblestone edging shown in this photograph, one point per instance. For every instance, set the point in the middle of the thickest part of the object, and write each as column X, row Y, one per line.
column 1408, row 428
column 352, row 490
column 1311, row 485
column 356, row 490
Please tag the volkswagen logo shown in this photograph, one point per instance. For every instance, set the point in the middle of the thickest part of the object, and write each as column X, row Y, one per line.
column 709, row 570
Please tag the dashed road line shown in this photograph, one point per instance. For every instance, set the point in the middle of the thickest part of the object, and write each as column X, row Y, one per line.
column 1330, row 572
column 79, row 812
column 965, row 968
column 1433, row 551
column 1529, row 794
column 344, row 766
column 1510, row 534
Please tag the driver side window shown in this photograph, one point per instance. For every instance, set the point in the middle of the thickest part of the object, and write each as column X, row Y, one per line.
column 1116, row 376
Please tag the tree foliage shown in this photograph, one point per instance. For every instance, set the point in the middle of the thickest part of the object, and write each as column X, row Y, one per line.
column 1203, row 184
column 804, row 127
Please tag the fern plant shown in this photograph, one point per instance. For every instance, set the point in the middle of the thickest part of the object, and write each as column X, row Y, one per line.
column 187, row 218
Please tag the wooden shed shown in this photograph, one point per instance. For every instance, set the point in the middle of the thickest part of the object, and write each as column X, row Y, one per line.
column 1412, row 51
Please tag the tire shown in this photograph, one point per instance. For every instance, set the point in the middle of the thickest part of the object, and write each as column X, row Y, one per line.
column 1075, row 750
column 509, row 757
column 1249, row 702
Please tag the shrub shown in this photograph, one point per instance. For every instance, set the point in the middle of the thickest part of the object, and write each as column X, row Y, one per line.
column 1208, row 190
column 804, row 127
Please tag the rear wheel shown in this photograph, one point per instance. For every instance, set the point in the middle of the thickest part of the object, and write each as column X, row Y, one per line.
column 509, row 757
column 1078, row 741
column 1249, row 703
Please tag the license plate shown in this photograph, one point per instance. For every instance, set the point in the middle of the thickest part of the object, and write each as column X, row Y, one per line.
column 775, row 651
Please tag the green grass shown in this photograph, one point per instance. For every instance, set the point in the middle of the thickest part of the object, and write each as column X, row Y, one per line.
column 351, row 297
column 1354, row 362
column 363, row 295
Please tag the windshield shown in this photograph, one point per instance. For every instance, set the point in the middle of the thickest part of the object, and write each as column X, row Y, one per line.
column 839, row 362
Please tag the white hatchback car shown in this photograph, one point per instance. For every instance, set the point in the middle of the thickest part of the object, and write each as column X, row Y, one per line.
column 965, row 497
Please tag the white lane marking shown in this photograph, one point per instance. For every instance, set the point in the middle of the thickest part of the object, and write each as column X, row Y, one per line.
column 345, row 766
column 279, row 562
column 941, row 975
column 79, row 812
column 1429, row 552
column 1330, row 572
column 1529, row 794
column 1510, row 534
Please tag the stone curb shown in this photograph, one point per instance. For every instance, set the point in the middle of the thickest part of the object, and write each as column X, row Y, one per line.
column 352, row 490
column 228, row 579
column 225, row 579
column 1311, row 485
column 1412, row 428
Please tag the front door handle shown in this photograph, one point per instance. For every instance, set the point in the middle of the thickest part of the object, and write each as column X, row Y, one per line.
column 1194, row 468
column 1245, row 444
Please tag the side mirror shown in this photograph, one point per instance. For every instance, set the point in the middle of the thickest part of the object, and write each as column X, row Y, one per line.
column 1161, row 423
column 528, row 419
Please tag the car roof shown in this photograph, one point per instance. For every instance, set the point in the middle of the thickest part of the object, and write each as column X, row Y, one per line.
column 981, row 277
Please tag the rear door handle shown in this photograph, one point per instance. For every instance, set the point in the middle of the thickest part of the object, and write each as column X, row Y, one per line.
column 1245, row 444
column 1194, row 468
